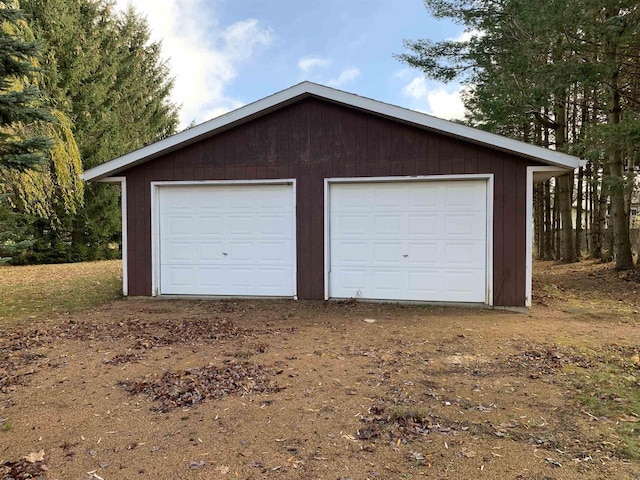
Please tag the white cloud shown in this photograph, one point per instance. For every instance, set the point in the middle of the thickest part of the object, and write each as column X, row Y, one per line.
column 203, row 55
column 468, row 34
column 416, row 89
column 346, row 76
column 403, row 74
column 447, row 105
column 438, row 101
column 308, row 63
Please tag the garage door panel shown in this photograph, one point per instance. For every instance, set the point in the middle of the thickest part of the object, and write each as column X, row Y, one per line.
column 238, row 278
column 178, row 224
column 239, row 224
column 390, row 224
column 424, row 254
column 232, row 240
column 349, row 279
column 459, row 196
column 388, row 199
column 179, row 251
column 463, row 284
column 180, row 277
column 472, row 225
column 210, row 252
column 387, row 252
column 419, row 241
column 464, row 254
column 355, row 201
column 279, row 201
column 426, row 225
column 273, row 278
column 240, row 252
column 353, row 224
column 423, row 199
column 273, row 224
column 386, row 283
column 353, row 252
column 176, row 202
column 423, row 284
column 210, row 225
column 274, row 252
column 209, row 276
column 257, row 252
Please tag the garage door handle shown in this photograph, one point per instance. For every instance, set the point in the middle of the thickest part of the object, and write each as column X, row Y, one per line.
column 225, row 253
column 406, row 255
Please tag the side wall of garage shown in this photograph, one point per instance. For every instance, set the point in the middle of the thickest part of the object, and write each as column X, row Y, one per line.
column 312, row 140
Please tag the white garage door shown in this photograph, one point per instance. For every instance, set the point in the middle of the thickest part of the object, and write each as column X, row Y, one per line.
column 409, row 240
column 226, row 240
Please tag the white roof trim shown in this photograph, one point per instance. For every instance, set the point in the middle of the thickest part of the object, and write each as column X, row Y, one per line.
column 208, row 128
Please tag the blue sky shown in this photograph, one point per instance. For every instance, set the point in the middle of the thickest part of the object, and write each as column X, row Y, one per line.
column 227, row 53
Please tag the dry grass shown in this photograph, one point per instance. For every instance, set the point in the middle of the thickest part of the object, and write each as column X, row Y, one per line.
column 420, row 393
column 37, row 291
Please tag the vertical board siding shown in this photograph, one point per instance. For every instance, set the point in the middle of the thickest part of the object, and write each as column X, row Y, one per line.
column 312, row 140
column 521, row 232
column 510, row 223
column 499, row 235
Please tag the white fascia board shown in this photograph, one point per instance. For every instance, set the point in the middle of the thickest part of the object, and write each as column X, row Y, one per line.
column 186, row 137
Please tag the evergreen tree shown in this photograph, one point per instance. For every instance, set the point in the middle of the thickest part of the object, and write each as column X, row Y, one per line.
column 39, row 161
column 107, row 76
column 20, row 98
column 551, row 72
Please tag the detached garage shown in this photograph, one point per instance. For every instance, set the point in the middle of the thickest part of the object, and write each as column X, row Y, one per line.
column 314, row 193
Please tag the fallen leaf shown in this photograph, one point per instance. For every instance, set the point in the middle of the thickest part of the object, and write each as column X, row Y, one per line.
column 34, row 457
column 468, row 453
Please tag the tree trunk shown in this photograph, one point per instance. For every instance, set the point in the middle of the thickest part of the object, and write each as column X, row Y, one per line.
column 579, row 209
column 619, row 217
column 599, row 226
column 548, row 226
column 590, row 207
column 538, row 219
column 564, row 199
column 556, row 224
column 567, row 238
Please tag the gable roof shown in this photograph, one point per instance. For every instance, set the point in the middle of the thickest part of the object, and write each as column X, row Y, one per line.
column 309, row 89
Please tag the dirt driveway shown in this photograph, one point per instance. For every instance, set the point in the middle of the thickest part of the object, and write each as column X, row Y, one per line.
column 289, row 390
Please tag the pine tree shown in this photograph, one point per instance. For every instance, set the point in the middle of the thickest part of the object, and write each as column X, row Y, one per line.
column 564, row 69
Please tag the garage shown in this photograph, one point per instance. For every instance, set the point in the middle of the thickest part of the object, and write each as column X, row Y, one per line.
column 316, row 194
column 226, row 239
column 409, row 240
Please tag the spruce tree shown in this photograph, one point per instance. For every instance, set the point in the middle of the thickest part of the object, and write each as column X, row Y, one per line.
column 20, row 98
column 105, row 74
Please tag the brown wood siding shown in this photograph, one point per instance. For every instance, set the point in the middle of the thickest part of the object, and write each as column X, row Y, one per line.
column 312, row 140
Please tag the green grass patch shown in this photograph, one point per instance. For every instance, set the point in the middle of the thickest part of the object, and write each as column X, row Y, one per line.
column 610, row 390
column 38, row 291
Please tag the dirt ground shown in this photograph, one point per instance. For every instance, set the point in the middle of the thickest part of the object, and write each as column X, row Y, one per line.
column 286, row 390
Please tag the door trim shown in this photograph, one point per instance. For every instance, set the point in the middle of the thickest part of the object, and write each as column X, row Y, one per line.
column 488, row 177
column 547, row 172
column 155, row 221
